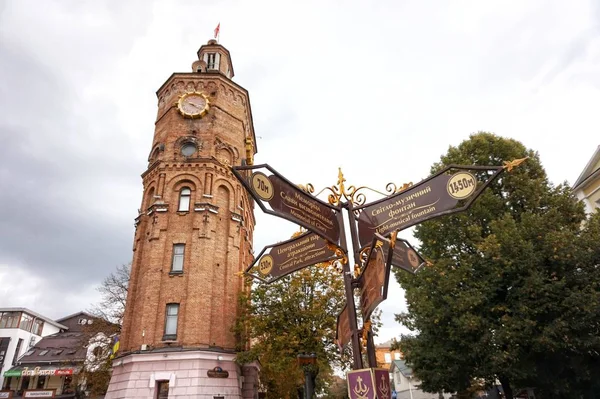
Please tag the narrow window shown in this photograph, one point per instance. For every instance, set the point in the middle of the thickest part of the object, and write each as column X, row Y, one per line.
column 388, row 357
column 16, row 357
column 171, row 321
column 41, row 382
column 177, row 263
column 397, row 356
column 211, row 63
column 162, row 389
column 184, row 199
column 38, row 326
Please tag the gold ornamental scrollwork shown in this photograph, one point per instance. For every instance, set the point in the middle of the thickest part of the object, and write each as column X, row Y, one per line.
column 351, row 194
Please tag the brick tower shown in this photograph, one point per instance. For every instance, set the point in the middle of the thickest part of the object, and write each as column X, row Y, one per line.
column 193, row 234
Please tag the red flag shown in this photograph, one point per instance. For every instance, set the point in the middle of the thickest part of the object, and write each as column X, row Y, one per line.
column 217, row 29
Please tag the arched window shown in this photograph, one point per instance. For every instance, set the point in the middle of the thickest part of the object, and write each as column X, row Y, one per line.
column 185, row 196
column 150, row 197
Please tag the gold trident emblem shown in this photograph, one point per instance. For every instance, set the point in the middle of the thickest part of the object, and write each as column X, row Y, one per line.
column 384, row 388
column 361, row 390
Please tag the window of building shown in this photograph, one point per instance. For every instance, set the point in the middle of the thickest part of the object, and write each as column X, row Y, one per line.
column 25, row 382
column 42, row 353
column 188, row 149
column 68, row 385
column 162, row 389
column 212, row 61
column 38, row 326
column 397, row 356
column 41, row 381
column 178, row 254
column 82, row 321
column 388, row 357
column 57, row 352
column 10, row 319
column 185, row 196
column 16, row 357
column 26, row 322
column 171, row 321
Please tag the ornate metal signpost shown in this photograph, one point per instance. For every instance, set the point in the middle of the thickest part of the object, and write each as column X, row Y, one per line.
column 375, row 247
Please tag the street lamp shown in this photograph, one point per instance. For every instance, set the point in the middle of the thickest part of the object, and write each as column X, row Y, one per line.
column 308, row 362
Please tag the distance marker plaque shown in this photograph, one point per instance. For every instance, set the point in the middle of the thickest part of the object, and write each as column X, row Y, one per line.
column 286, row 200
column 278, row 260
column 451, row 190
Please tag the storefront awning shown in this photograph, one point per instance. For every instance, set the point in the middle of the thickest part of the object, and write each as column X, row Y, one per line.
column 50, row 370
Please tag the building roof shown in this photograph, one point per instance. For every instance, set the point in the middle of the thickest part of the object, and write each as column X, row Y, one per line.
column 386, row 344
column 60, row 347
column 82, row 313
column 402, row 367
column 39, row 316
column 590, row 169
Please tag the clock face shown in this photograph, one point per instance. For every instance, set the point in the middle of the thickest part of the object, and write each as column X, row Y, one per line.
column 193, row 105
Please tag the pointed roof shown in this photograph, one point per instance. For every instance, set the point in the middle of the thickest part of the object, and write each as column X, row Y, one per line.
column 591, row 169
column 402, row 367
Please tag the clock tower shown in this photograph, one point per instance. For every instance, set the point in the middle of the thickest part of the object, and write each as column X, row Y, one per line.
column 193, row 236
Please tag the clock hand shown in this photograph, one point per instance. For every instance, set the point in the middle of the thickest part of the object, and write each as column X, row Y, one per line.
column 196, row 105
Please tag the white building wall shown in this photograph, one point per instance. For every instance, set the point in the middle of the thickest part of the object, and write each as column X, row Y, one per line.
column 15, row 334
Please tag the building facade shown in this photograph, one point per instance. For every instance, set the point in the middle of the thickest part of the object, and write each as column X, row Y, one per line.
column 193, row 237
column 20, row 329
column 587, row 185
column 54, row 365
column 406, row 385
column 384, row 355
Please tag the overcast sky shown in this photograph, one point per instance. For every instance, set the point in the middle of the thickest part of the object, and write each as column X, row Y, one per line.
column 380, row 89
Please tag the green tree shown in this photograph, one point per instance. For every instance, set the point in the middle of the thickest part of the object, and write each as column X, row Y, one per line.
column 297, row 314
column 513, row 290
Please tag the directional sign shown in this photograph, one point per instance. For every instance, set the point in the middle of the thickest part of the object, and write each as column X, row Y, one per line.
column 360, row 384
column 287, row 201
column 344, row 333
column 373, row 281
column 405, row 257
column 451, row 190
column 278, row 260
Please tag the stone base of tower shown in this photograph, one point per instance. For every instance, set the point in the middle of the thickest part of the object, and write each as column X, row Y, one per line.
column 189, row 373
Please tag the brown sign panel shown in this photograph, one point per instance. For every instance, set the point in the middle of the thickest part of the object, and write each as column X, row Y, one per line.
column 373, row 281
column 344, row 333
column 276, row 261
column 288, row 201
column 435, row 196
column 405, row 257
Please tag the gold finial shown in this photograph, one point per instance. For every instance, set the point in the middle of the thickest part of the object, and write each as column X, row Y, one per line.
column 249, row 151
column 356, row 271
column 365, row 331
column 393, row 237
column 509, row 165
column 341, row 180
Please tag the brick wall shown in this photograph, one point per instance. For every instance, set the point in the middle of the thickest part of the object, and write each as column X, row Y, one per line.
column 216, row 231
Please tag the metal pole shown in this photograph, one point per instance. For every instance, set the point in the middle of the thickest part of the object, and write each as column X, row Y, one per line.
column 371, row 354
column 371, row 349
column 357, row 358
